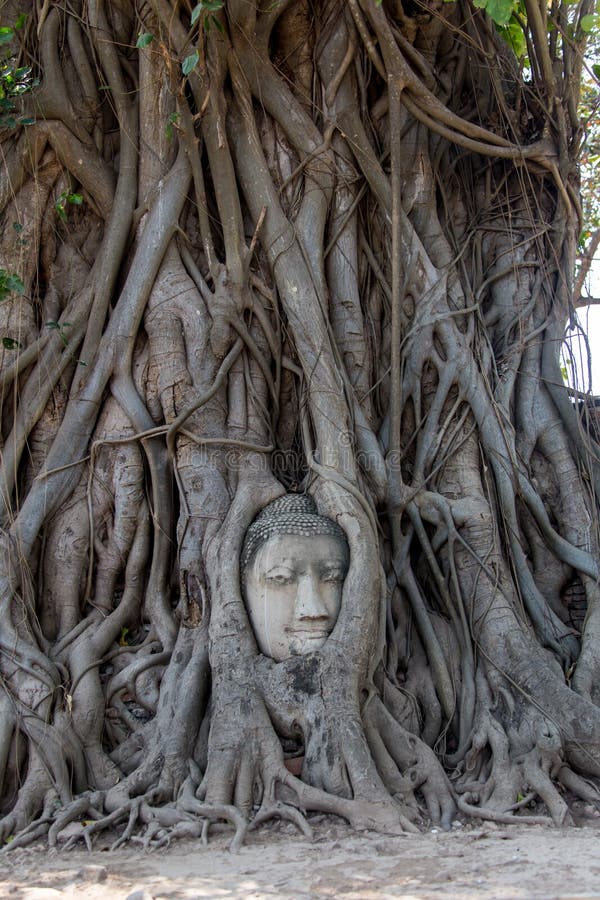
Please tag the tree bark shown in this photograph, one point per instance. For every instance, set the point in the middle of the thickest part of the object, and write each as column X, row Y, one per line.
column 256, row 249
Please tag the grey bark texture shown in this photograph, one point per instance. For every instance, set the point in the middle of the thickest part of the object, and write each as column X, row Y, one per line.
column 282, row 247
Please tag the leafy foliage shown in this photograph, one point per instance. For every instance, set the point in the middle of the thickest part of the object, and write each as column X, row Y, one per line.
column 190, row 62
column 589, row 23
column 10, row 284
column 14, row 82
column 144, row 40
column 205, row 12
column 498, row 10
column 62, row 204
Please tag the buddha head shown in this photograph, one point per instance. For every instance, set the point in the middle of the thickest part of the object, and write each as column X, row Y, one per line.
column 293, row 565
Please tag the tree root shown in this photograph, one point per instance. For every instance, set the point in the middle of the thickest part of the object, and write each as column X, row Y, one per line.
column 490, row 815
column 497, row 781
column 279, row 810
column 397, row 751
column 32, row 832
column 354, row 249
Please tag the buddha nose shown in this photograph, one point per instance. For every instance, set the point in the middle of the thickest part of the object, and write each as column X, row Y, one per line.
column 309, row 600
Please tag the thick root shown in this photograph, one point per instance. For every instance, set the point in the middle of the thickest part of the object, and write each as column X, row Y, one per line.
column 497, row 783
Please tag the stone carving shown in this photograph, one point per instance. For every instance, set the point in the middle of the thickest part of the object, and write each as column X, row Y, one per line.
column 293, row 565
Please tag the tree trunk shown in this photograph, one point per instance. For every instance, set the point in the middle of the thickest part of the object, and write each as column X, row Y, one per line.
column 258, row 249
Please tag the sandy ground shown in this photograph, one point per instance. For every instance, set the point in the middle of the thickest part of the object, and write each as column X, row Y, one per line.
column 471, row 861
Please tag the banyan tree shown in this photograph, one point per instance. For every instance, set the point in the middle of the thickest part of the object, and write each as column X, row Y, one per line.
column 322, row 252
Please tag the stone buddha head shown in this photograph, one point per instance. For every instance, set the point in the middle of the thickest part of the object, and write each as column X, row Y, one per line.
column 293, row 565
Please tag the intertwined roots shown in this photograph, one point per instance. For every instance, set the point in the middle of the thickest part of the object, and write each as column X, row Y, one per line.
column 256, row 248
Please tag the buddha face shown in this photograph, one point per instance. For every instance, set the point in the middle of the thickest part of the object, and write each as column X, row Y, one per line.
column 293, row 592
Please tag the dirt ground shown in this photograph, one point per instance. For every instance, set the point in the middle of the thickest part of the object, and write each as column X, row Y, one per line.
column 470, row 861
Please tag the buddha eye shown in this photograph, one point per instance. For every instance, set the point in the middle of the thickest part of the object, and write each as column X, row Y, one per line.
column 334, row 576
column 279, row 578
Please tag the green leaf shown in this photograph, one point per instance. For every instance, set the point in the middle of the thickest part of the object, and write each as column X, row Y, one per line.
column 6, row 35
column 596, row 69
column 207, row 6
column 172, row 120
column 190, row 63
column 61, row 204
column 14, row 284
column 500, row 10
column 218, row 25
column 144, row 39
column 10, row 284
column 514, row 37
column 26, row 121
column 10, row 344
column 588, row 23
column 18, row 227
